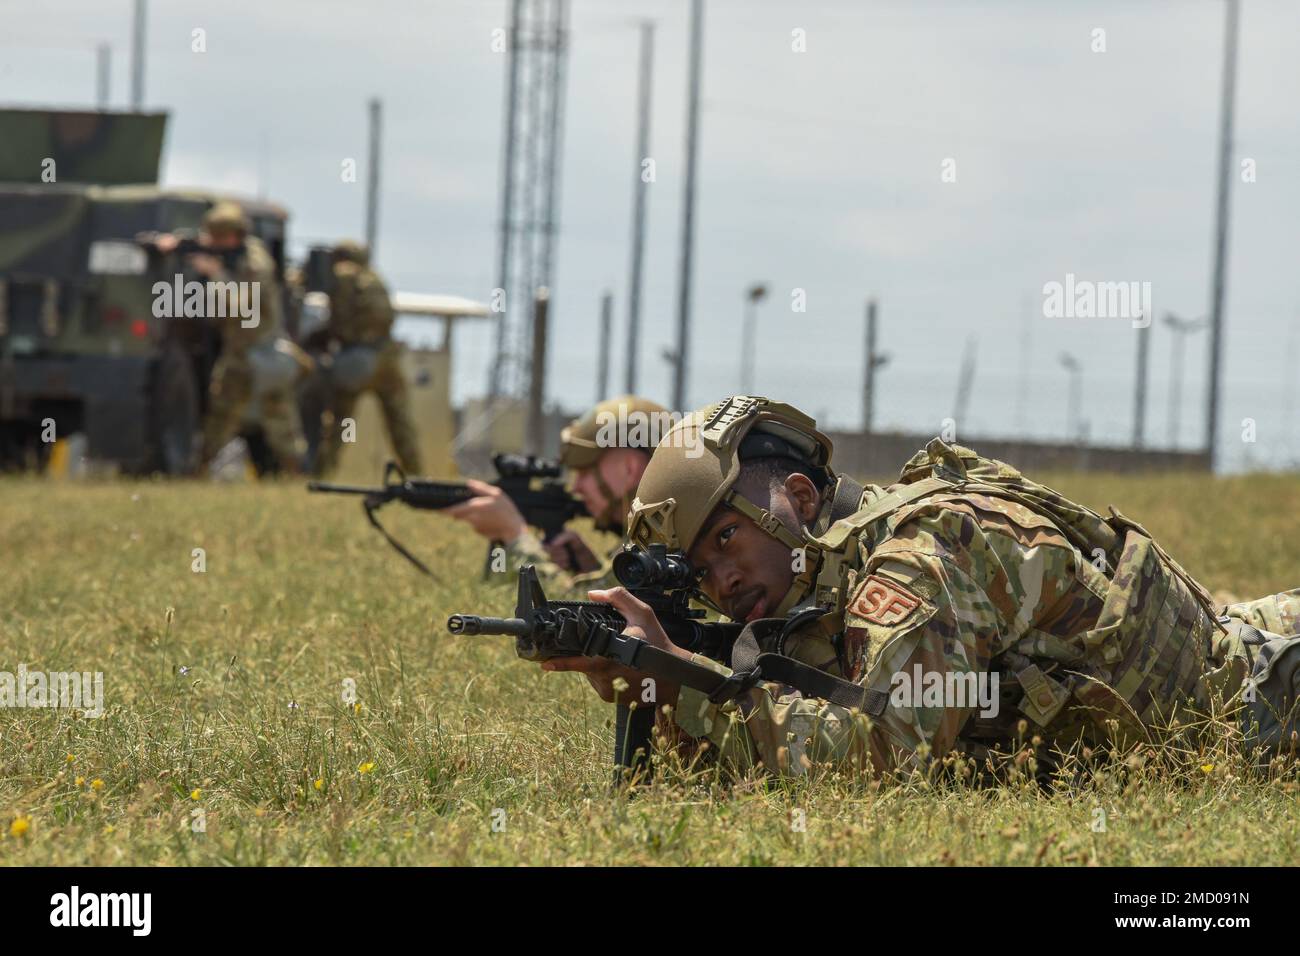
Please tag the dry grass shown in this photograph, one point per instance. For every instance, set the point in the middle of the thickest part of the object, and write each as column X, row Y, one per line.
column 224, row 694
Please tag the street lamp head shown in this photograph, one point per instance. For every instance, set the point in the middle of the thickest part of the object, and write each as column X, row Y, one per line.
column 1069, row 361
column 1185, row 325
column 757, row 292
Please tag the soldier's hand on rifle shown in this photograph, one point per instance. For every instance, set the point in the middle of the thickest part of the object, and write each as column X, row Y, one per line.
column 205, row 264
column 570, row 552
column 490, row 513
column 164, row 242
column 601, row 672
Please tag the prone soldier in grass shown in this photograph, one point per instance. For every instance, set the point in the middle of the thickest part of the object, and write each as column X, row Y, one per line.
column 606, row 451
column 962, row 576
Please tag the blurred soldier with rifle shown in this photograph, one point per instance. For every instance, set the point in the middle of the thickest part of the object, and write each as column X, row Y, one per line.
column 256, row 361
column 362, row 357
column 531, row 485
column 606, row 452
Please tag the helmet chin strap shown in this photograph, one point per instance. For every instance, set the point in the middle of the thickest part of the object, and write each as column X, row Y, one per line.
column 771, row 525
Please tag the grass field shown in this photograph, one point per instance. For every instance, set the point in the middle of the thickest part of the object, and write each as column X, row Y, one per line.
column 225, row 712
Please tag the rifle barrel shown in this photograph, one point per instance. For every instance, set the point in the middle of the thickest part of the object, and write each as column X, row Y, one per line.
column 342, row 489
column 472, row 624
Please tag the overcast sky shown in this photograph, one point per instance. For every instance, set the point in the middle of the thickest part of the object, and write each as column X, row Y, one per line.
column 819, row 170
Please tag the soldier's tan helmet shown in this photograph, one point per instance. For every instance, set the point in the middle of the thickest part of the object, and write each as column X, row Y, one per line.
column 697, row 463
column 349, row 250
column 628, row 421
column 225, row 216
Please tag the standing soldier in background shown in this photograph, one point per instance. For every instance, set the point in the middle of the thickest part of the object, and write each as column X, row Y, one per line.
column 364, row 358
column 255, row 360
column 606, row 452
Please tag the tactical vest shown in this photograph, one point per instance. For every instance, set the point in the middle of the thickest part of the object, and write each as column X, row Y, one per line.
column 361, row 312
column 255, row 266
column 1156, row 651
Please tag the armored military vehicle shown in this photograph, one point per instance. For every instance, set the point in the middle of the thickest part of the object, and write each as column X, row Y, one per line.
column 81, row 349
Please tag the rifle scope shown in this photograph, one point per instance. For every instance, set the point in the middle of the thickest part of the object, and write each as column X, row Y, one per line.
column 654, row 567
column 525, row 466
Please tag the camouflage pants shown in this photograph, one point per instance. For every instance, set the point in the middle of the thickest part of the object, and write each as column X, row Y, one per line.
column 231, row 391
column 389, row 385
column 1272, row 696
column 1278, row 613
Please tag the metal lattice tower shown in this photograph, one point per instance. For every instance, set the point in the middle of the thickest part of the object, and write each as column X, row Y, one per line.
column 530, row 180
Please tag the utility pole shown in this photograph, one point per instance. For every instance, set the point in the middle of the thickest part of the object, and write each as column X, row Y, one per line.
column 103, row 60
column 646, row 59
column 372, row 178
column 1073, row 408
column 536, row 439
column 506, row 226
column 965, row 384
column 871, row 361
column 1140, row 391
column 606, row 320
column 137, row 57
column 682, row 354
column 754, row 295
column 1181, row 329
column 1221, row 226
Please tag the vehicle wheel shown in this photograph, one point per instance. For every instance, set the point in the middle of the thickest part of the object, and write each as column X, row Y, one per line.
column 176, row 411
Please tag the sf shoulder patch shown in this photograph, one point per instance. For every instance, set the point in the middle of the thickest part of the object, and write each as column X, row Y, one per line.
column 884, row 602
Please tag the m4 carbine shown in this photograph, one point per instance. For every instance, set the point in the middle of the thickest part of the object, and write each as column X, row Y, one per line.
column 545, row 629
column 188, row 244
column 665, row 581
column 531, row 483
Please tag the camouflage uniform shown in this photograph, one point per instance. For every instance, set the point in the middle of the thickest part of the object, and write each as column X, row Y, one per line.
column 965, row 569
column 236, row 378
column 361, row 321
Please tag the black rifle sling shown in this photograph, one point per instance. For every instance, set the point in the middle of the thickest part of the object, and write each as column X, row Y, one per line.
column 371, row 508
column 749, row 666
column 750, row 663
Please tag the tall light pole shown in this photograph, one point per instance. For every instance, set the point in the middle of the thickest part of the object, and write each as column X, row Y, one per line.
column 1221, row 227
column 871, row 360
column 1075, row 401
column 606, row 321
column 756, row 293
column 137, row 57
column 103, row 59
column 372, row 177
column 1181, row 329
column 1140, row 393
column 682, row 353
column 646, row 57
